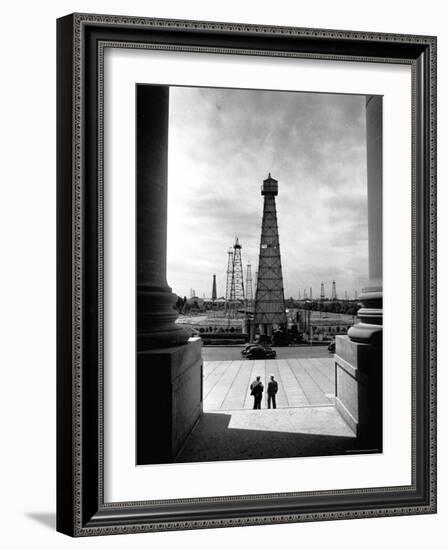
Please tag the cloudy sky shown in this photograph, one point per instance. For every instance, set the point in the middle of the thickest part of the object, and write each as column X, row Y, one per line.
column 223, row 143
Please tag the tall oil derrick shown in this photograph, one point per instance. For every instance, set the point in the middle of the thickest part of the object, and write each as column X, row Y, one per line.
column 235, row 281
column 237, row 284
column 311, row 293
column 334, row 296
column 214, row 296
column 346, row 296
column 249, row 292
column 299, row 295
column 322, row 291
column 270, row 310
column 229, row 277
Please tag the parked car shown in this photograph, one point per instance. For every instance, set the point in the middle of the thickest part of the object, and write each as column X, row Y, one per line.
column 332, row 347
column 248, row 347
column 261, row 352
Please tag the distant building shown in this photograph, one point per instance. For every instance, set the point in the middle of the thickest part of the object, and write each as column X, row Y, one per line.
column 321, row 327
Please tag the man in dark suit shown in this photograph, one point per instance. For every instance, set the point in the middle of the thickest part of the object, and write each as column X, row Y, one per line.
column 256, row 389
column 272, row 391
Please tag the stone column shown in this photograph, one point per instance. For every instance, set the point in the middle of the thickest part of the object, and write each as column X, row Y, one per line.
column 358, row 355
column 370, row 329
column 155, row 301
column 169, row 364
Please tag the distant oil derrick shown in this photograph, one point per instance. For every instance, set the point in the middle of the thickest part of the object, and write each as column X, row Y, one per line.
column 334, row 295
column 235, row 280
column 229, row 276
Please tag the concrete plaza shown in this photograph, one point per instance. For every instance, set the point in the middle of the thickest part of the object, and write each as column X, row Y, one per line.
column 305, row 422
column 301, row 382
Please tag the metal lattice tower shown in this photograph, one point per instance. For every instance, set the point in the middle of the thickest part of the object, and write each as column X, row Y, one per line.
column 236, row 291
column 237, row 286
column 299, row 295
column 322, row 291
column 356, row 294
column 229, row 275
column 214, row 296
column 269, row 298
column 249, row 293
column 311, row 293
column 334, row 296
column 346, row 296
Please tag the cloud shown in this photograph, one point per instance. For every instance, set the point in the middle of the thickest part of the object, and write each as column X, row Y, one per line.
column 223, row 143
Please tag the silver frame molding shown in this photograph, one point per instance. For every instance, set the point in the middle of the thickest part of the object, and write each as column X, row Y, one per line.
column 81, row 509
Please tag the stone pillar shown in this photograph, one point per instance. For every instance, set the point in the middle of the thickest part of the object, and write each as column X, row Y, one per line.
column 155, row 301
column 169, row 400
column 371, row 314
column 358, row 355
column 169, row 366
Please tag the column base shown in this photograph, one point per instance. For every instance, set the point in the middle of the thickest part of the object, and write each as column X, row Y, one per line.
column 358, row 395
column 169, row 400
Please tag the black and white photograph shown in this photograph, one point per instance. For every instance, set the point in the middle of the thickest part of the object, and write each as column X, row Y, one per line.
column 246, row 277
column 223, row 269
column 260, row 336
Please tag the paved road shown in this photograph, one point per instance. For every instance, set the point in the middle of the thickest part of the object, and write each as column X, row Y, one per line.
column 232, row 353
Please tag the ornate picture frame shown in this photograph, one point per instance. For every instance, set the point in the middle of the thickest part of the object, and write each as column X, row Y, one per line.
column 81, row 506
